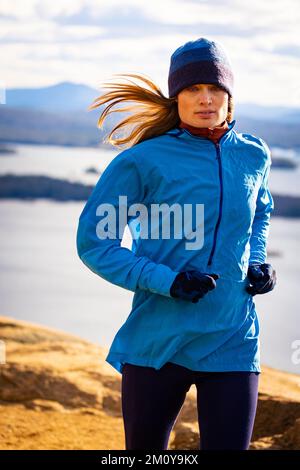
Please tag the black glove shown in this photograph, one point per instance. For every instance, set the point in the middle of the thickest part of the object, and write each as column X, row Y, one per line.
column 262, row 277
column 193, row 285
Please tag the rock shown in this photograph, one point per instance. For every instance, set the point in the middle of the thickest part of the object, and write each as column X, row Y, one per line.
column 186, row 437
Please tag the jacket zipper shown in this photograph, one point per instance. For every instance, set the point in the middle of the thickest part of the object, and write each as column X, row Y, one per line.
column 217, row 145
column 218, row 157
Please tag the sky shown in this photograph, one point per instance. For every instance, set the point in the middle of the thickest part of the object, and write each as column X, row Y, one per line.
column 43, row 42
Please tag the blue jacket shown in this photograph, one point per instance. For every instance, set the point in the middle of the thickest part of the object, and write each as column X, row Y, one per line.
column 230, row 178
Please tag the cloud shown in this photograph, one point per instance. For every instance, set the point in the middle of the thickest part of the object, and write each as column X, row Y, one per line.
column 88, row 40
column 288, row 50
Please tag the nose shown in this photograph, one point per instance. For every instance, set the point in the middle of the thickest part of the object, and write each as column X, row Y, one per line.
column 205, row 97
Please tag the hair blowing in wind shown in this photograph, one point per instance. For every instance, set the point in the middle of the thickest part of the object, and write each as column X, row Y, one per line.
column 152, row 113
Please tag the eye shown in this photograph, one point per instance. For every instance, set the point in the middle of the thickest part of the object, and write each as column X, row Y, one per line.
column 216, row 88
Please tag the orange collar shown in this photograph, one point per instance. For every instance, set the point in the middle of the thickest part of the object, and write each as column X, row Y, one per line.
column 213, row 134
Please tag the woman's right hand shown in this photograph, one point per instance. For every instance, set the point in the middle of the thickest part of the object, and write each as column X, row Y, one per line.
column 193, row 285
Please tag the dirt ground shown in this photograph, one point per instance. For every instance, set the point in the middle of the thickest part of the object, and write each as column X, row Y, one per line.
column 57, row 392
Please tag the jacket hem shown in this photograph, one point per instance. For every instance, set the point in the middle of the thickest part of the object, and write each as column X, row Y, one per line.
column 117, row 361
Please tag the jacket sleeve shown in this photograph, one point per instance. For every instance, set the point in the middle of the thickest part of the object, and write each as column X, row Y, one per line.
column 105, row 256
column 261, row 221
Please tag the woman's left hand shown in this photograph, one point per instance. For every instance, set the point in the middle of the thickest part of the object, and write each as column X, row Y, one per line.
column 262, row 278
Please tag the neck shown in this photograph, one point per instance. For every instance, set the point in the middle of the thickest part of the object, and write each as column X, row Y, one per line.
column 213, row 134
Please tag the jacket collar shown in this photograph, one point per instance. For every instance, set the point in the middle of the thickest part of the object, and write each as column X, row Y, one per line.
column 181, row 132
column 213, row 134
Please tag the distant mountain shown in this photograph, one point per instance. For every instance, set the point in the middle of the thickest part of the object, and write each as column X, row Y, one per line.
column 60, row 98
column 276, row 134
column 68, row 96
column 59, row 115
column 29, row 126
column 268, row 113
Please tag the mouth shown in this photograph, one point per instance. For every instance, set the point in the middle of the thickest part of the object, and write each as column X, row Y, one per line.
column 205, row 113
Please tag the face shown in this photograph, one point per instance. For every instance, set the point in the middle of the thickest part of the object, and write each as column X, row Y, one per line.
column 203, row 105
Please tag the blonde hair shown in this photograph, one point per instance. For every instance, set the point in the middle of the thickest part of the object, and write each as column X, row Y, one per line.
column 152, row 115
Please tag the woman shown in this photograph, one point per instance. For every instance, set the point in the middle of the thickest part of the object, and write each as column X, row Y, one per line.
column 193, row 319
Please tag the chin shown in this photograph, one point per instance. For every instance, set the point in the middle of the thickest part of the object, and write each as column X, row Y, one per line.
column 205, row 123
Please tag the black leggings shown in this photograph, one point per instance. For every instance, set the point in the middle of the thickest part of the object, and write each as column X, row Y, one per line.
column 152, row 400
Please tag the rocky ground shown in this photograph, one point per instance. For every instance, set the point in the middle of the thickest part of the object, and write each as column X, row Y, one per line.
column 57, row 392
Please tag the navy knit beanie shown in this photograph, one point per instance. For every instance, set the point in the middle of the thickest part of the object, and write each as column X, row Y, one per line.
column 200, row 61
